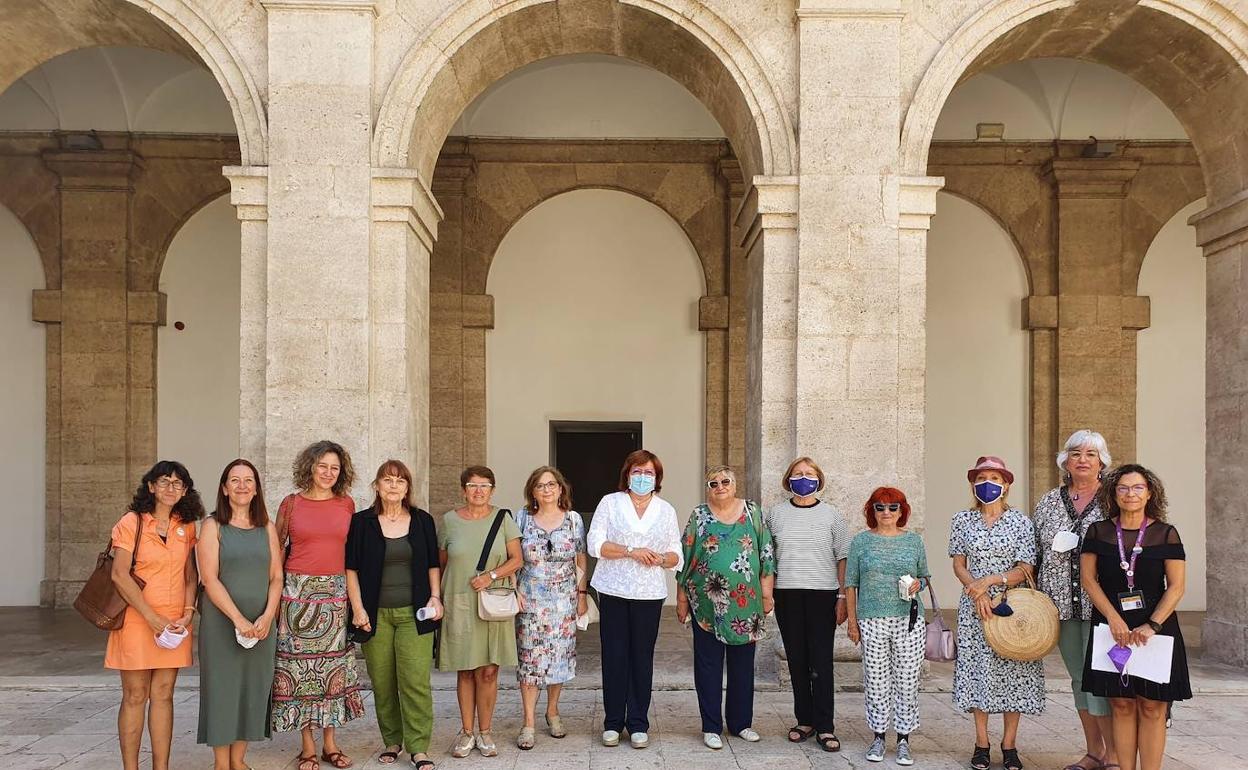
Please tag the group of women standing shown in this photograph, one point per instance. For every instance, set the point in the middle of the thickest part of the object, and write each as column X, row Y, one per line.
column 284, row 602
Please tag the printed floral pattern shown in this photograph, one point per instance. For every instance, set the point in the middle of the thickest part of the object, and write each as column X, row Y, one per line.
column 546, row 630
column 724, row 568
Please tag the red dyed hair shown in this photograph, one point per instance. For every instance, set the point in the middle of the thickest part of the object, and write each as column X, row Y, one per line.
column 887, row 495
column 641, row 457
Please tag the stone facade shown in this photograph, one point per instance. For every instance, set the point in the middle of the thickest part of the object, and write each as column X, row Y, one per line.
column 342, row 175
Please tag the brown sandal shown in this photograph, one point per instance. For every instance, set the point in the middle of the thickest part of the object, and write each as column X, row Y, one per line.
column 337, row 759
column 310, row 762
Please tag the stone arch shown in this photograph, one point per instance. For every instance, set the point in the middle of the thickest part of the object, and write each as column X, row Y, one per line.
column 479, row 42
column 1204, row 83
column 1024, row 247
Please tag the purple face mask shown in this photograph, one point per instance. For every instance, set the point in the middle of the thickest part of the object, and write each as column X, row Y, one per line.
column 1118, row 655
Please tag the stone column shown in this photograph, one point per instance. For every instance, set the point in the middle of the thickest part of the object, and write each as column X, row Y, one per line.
column 107, row 363
column 318, row 324
column 1094, row 324
column 249, row 192
column 405, row 222
column 738, row 318
column 851, row 315
column 1222, row 230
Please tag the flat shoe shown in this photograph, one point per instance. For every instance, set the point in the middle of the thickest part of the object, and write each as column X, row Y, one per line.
column 712, row 741
column 485, row 744
column 524, row 741
column 555, row 726
column 749, row 735
column 462, row 746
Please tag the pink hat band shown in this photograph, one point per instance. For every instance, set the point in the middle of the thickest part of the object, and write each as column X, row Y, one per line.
column 990, row 463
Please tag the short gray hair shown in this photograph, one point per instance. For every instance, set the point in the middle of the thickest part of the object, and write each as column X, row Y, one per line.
column 1082, row 438
column 725, row 470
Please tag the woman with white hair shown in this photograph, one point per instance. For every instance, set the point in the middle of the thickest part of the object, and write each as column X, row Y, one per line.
column 1062, row 519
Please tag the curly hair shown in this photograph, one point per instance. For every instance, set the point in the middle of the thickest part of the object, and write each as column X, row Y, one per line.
column 530, row 489
column 189, row 508
column 307, row 460
column 1154, row 509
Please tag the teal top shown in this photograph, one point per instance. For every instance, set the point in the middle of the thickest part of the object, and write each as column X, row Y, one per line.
column 396, row 574
column 875, row 564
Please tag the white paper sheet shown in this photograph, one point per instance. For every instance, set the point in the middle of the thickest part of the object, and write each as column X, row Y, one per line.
column 1151, row 662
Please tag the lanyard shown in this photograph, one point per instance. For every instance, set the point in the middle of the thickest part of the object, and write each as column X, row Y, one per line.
column 1129, row 566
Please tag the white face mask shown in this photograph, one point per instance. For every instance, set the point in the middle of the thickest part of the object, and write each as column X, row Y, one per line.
column 246, row 642
column 170, row 639
column 1064, row 541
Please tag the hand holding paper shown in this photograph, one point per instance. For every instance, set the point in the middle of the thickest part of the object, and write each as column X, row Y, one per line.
column 1150, row 661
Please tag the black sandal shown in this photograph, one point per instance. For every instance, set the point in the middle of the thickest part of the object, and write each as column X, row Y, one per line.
column 388, row 757
column 981, row 759
column 800, row 733
column 419, row 763
column 1010, row 760
column 826, row 742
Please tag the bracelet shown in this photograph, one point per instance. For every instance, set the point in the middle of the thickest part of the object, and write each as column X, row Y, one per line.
column 579, row 591
column 192, row 609
column 840, row 596
column 432, row 597
column 1154, row 625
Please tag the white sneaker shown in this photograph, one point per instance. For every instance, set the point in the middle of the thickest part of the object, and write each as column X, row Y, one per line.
column 748, row 734
column 639, row 740
column 903, row 753
column 610, row 738
column 712, row 741
column 876, row 752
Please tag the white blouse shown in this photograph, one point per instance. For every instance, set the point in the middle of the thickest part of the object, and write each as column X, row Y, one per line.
column 616, row 521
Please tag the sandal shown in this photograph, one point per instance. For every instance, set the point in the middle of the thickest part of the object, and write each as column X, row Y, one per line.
column 1010, row 760
column 337, row 759
column 981, row 760
column 388, row 757
column 1076, row 766
column 827, row 741
column 800, row 733
column 310, row 762
column 524, row 741
column 420, row 763
column 555, row 726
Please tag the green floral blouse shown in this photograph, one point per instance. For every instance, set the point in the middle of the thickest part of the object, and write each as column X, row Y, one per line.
column 723, row 572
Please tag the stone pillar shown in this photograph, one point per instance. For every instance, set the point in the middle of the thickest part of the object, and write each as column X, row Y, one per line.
column 405, row 222
column 318, row 323
column 738, row 319
column 766, row 228
column 106, row 369
column 1093, row 324
column 249, row 192
column 851, row 318
column 1222, row 231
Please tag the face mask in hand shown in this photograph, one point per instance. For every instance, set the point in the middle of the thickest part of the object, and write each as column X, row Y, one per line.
column 641, row 484
column 802, row 486
column 988, row 492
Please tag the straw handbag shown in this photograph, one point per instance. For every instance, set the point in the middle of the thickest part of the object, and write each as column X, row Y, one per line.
column 1031, row 631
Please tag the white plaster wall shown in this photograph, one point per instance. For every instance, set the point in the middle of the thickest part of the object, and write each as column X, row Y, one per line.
column 197, row 392
column 587, row 96
column 1170, row 397
column 1043, row 99
column 119, row 88
column 977, row 369
column 22, row 426
column 595, row 302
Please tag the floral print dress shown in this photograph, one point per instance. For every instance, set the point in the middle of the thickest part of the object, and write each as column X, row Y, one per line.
column 723, row 572
column 546, row 629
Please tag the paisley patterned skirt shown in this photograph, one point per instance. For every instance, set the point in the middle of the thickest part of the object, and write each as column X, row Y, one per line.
column 315, row 683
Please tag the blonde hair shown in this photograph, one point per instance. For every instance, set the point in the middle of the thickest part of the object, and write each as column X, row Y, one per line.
column 717, row 470
column 784, row 482
column 976, row 505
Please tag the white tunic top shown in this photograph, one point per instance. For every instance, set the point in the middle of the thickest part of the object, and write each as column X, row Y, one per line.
column 616, row 521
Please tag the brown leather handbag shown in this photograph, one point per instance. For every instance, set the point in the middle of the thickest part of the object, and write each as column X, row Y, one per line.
column 99, row 601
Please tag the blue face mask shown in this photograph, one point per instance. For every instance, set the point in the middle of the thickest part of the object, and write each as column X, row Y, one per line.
column 802, row 486
column 988, row 492
column 640, row 484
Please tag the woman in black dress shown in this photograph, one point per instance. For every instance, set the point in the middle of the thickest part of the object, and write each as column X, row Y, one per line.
column 1135, row 589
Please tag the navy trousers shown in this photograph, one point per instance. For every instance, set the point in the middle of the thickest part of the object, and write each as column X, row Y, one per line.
column 709, row 656
column 628, row 630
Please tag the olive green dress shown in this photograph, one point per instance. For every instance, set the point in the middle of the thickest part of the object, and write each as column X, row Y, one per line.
column 234, row 683
column 469, row 642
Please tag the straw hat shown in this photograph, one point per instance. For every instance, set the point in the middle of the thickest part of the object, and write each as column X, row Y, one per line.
column 1028, row 634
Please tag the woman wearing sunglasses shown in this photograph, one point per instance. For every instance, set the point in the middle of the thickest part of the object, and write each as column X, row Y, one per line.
column 992, row 546
column 552, row 541
column 726, row 587
column 887, row 567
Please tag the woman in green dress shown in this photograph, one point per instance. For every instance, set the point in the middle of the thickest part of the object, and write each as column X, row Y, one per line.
column 470, row 646
column 240, row 566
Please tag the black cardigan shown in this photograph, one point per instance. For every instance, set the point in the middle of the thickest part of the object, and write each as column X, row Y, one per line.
column 366, row 551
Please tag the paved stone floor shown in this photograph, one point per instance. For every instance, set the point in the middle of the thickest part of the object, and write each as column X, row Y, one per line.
column 58, row 710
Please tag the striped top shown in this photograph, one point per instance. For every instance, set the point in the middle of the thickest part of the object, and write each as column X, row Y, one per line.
column 809, row 542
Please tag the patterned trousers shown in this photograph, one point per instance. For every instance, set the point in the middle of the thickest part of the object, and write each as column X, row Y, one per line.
column 892, row 656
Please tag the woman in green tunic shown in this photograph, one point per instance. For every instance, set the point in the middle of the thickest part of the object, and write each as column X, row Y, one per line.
column 470, row 646
column 241, row 568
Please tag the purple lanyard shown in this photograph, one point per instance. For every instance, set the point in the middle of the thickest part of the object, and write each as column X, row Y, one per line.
column 1129, row 566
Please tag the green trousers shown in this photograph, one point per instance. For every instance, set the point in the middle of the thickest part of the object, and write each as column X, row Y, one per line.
column 399, row 660
column 1073, row 642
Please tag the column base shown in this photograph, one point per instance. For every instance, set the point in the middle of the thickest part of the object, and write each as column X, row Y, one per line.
column 1224, row 642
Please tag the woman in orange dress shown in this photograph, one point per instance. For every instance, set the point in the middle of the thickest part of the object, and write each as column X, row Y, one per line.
column 155, row 639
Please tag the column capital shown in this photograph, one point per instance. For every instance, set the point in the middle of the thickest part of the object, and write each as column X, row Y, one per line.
column 1092, row 177
column 95, row 170
column 770, row 204
column 713, row 312
column 352, row 6
column 857, row 9
column 146, row 308
column 478, row 311
column 916, row 201
column 729, row 170
column 1223, row 224
column 402, row 195
column 1131, row 312
column 46, row 306
column 249, row 191
column 451, row 174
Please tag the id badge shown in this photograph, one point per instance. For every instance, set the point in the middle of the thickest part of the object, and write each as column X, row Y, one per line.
column 1131, row 600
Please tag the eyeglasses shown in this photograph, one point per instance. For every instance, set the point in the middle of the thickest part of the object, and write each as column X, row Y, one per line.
column 891, row 507
column 547, row 485
column 642, row 473
column 166, row 484
column 807, row 476
column 717, row 483
column 478, row 486
column 1135, row 489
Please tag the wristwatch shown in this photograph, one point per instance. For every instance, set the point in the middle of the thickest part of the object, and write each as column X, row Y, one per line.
column 493, row 575
column 629, row 550
column 1154, row 625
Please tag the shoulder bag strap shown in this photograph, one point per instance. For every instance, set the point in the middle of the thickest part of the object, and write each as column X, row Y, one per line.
column 489, row 539
column 138, row 533
column 932, row 595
